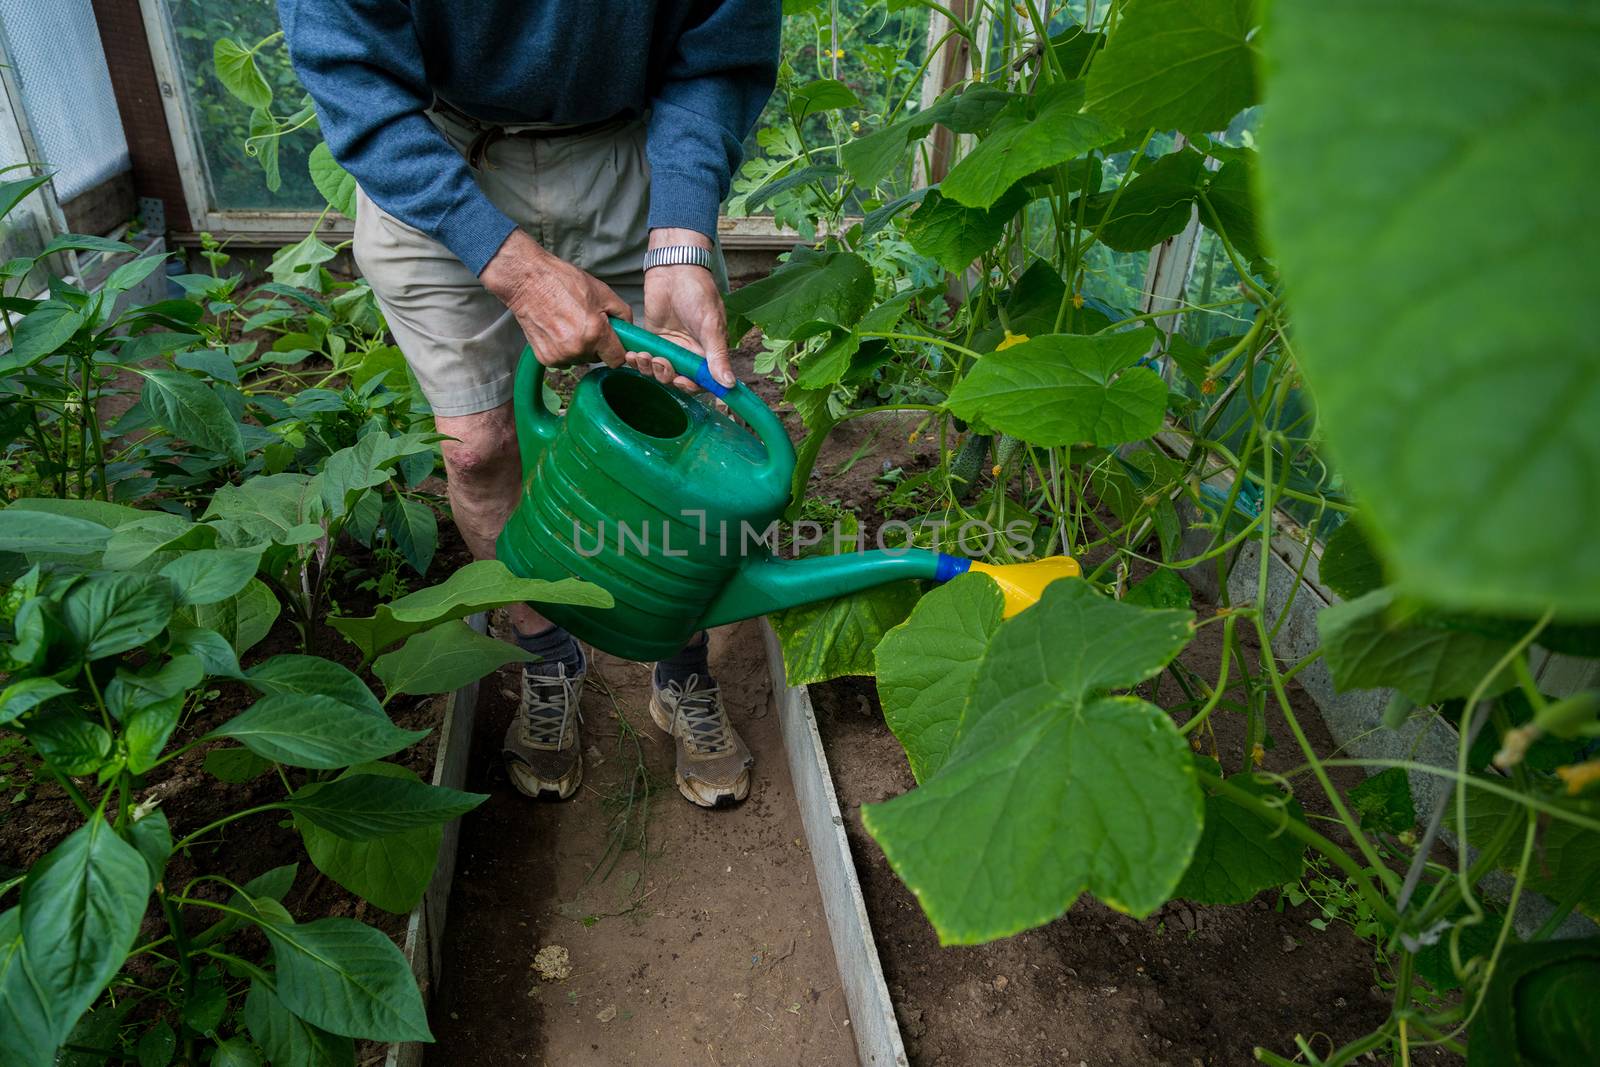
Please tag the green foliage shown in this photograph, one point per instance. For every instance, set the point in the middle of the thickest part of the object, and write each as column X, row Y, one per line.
column 835, row 638
column 444, row 658
column 1062, row 389
column 1377, row 642
column 1026, row 137
column 1239, row 854
column 926, row 666
column 1539, row 1007
column 1177, row 64
column 1039, row 774
column 1462, row 415
column 1383, row 802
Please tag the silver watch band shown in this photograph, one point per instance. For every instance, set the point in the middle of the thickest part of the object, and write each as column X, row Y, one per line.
column 678, row 256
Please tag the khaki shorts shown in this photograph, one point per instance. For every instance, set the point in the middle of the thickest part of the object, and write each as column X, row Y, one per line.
column 582, row 196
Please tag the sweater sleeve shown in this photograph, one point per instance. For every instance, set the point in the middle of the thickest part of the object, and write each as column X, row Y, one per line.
column 360, row 61
column 715, row 84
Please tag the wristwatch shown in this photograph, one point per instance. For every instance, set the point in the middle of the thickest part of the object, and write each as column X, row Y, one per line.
column 678, row 256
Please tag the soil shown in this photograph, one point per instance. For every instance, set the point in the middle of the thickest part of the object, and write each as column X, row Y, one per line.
column 1189, row 985
column 701, row 941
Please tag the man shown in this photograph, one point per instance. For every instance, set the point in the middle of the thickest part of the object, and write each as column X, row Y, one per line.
column 527, row 168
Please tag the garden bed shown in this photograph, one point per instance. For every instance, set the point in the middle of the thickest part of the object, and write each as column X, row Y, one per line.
column 1188, row 985
column 39, row 814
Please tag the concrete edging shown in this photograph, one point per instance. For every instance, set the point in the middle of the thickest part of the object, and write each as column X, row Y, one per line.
column 878, row 1042
column 425, row 926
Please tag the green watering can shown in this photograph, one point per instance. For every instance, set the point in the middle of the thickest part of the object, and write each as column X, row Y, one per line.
column 664, row 502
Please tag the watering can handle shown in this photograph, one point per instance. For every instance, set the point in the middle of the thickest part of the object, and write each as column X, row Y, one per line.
column 740, row 398
column 536, row 423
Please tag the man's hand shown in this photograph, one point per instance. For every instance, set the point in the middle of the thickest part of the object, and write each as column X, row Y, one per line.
column 683, row 305
column 560, row 308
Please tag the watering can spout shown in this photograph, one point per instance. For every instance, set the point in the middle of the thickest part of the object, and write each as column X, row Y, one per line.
column 766, row 585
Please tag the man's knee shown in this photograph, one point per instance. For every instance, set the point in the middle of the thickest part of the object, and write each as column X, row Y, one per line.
column 479, row 446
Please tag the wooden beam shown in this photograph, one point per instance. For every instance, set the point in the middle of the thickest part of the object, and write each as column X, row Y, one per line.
column 139, row 100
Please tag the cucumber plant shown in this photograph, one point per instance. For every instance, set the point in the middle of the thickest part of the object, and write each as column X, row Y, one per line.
column 1374, row 372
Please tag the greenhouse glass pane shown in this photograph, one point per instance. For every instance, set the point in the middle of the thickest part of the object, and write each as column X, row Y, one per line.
column 60, row 67
column 237, row 180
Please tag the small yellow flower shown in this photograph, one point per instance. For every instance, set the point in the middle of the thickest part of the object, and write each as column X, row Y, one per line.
column 1258, row 754
column 1077, row 300
column 855, row 127
column 1579, row 776
column 911, row 438
column 1208, row 386
column 994, row 471
column 838, row 53
column 1010, row 339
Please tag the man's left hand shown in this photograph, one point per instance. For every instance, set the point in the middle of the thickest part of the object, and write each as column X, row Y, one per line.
column 684, row 305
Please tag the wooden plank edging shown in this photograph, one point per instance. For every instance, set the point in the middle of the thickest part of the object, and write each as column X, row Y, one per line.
column 878, row 1042
column 425, row 926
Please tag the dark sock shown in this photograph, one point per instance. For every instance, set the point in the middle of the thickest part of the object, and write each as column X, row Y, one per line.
column 692, row 660
column 555, row 648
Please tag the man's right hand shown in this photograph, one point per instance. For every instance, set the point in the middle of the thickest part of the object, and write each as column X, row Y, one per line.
column 562, row 310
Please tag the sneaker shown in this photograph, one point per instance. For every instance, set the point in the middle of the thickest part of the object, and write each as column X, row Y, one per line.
column 713, row 763
column 541, row 749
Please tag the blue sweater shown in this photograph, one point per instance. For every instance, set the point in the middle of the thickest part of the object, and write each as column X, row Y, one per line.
column 701, row 69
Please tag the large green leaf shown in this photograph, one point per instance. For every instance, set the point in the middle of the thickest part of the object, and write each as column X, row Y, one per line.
column 1460, row 403
column 40, row 333
column 28, row 531
column 28, row 1035
column 111, row 613
column 81, row 907
column 237, row 71
column 281, row 509
column 288, row 1039
column 209, row 576
column 360, row 807
column 955, row 235
column 297, row 264
column 1539, row 1007
column 367, row 463
column 479, row 586
column 927, row 665
column 825, row 94
column 444, row 658
column 1155, row 205
column 833, row 638
column 1017, row 145
column 68, row 741
column 146, row 732
column 807, row 295
column 414, row 528
column 310, row 675
column 1062, row 389
column 347, row 978
column 1180, row 65
column 1383, row 802
column 1375, row 643
column 188, row 408
column 243, row 619
column 134, row 542
column 337, row 185
column 1239, row 854
column 1052, row 788
column 315, row 731
column 389, row 872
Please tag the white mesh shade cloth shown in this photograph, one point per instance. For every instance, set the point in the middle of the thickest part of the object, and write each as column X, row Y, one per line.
column 55, row 54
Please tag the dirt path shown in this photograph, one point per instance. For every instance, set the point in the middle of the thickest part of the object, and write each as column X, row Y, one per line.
column 704, row 943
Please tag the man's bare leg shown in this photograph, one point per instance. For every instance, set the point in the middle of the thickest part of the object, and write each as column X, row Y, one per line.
column 483, row 474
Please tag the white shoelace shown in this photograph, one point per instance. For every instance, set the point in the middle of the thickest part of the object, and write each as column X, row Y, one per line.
column 548, row 704
column 705, row 725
